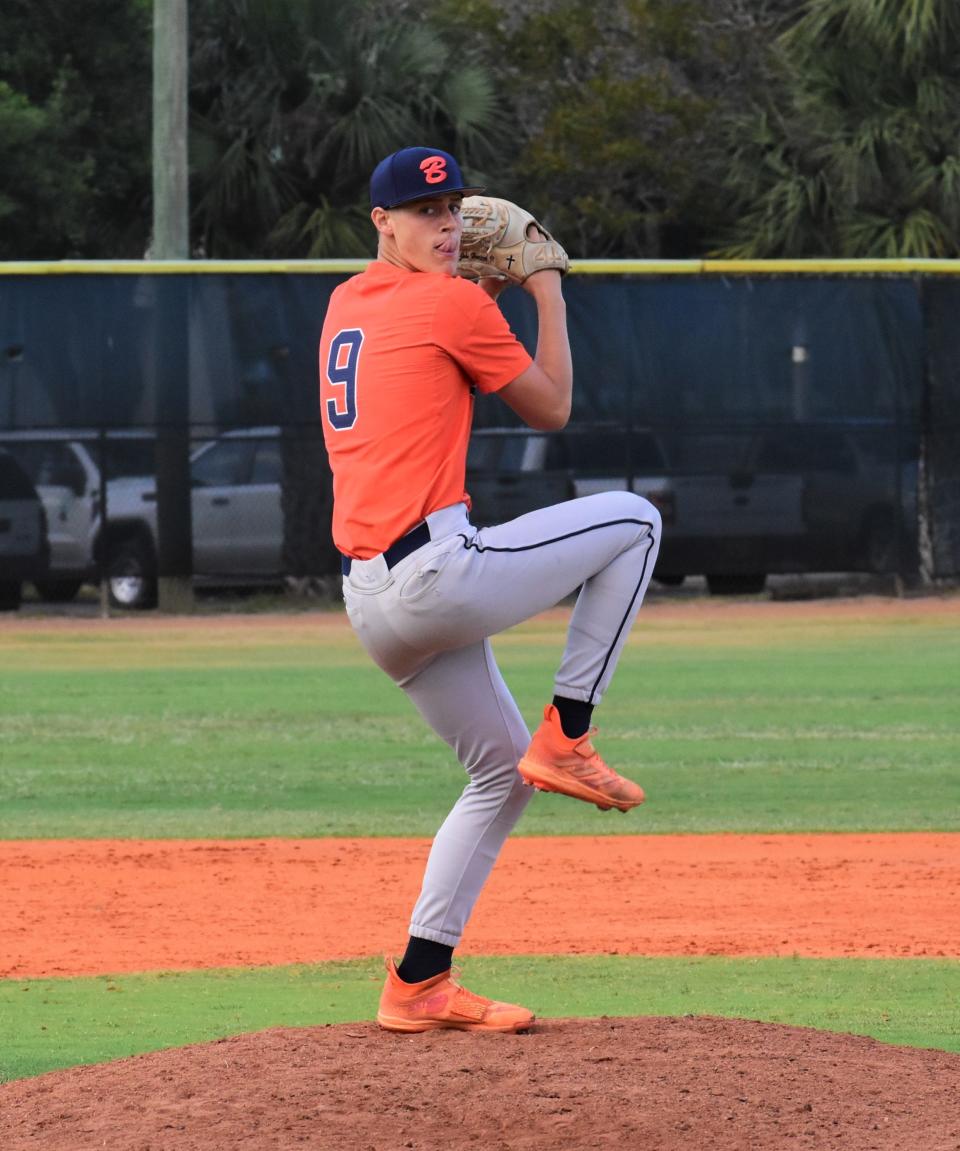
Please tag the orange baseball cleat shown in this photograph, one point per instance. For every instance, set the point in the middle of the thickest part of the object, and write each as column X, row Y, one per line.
column 554, row 762
column 440, row 1002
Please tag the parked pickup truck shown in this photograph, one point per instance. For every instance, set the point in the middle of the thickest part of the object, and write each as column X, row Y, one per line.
column 737, row 503
column 507, row 475
column 514, row 470
column 791, row 498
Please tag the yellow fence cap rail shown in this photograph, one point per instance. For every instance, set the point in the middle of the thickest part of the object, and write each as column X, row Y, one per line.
column 175, row 267
column 906, row 267
column 637, row 267
column 864, row 267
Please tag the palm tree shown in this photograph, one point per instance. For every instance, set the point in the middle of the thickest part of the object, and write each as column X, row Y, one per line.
column 857, row 153
column 295, row 101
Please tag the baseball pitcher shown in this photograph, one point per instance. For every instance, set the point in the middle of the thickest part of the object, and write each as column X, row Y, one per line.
column 405, row 345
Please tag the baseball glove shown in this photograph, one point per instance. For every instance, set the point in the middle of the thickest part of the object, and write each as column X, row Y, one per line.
column 502, row 240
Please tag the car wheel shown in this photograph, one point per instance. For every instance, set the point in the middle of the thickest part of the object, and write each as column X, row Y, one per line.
column 58, row 591
column 130, row 577
column 11, row 592
column 745, row 583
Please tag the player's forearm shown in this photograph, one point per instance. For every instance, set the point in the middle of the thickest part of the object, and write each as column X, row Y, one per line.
column 553, row 356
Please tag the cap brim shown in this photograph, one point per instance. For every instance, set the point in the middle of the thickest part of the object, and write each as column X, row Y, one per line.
column 433, row 195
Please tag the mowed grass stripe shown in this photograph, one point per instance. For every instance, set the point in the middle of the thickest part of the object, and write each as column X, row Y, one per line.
column 49, row 1024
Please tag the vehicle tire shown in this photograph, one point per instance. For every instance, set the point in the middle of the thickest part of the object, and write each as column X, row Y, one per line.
column 59, row 590
column 745, row 583
column 130, row 577
column 669, row 580
column 11, row 592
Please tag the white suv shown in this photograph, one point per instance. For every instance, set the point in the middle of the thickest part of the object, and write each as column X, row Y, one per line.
column 67, row 481
column 64, row 467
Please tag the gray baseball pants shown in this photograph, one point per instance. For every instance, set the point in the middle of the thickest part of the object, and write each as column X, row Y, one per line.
column 426, row 623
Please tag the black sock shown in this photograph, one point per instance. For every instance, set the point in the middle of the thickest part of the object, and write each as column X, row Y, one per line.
column 423, row 959
column 575, row 716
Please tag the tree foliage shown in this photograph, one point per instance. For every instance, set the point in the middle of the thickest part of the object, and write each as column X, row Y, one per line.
column 633, row 127
column 74, row 128
column 614, row 111
column 603, row 118
column 857, row 152
column 292, row 107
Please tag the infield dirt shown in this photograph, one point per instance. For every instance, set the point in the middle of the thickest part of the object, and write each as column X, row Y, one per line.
column 658, row 1084
column 106, row 907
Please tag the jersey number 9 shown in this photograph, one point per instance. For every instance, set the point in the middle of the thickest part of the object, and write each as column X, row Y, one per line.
column 341, row 372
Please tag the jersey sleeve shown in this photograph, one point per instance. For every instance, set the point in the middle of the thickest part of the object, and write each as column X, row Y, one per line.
column 473, row 331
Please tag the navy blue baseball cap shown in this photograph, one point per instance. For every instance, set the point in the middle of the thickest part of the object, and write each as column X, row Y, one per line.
column 412, row 174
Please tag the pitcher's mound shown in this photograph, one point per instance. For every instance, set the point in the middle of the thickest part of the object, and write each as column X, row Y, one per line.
column 619, row 1083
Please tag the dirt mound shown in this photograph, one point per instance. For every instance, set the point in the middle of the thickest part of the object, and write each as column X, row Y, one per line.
column 654, row 1083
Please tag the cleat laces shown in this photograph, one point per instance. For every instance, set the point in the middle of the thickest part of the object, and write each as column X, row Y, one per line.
column 593, row 764
column 468, row 1003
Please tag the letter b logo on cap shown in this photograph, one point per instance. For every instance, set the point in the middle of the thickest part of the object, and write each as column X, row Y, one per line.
column 434, row 169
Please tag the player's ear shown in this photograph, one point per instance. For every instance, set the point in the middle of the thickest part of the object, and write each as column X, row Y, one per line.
column 382, row 221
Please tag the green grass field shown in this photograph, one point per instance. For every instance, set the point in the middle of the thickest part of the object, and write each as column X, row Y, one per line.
column 777, row 723
column 48, row 1024
column 784, row 726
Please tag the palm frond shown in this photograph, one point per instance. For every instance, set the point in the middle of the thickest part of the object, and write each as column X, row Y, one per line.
column 468, row 98
column 324, row 232
column 949, row 181
column 919, row 234
column 904, row 31
column 932, row 96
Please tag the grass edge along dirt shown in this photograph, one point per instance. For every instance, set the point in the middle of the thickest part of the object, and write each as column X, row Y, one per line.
column 48, row 1024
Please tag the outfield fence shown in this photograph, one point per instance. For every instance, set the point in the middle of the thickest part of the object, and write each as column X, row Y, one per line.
column 785, row 416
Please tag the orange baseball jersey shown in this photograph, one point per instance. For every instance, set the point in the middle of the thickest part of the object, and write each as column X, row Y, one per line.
column 400, row 355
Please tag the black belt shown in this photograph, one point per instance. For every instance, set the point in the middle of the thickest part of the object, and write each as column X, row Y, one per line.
column 414, row 539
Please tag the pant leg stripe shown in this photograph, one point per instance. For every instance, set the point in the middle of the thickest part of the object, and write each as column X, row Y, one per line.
column 623, row 622
column 468, row 544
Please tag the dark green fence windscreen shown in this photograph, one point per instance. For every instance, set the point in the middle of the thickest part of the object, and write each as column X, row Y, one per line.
column 115, row 351
column 680, row 351
column 781, row 423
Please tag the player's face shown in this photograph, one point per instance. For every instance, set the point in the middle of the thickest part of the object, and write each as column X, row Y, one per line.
column 424, row 235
